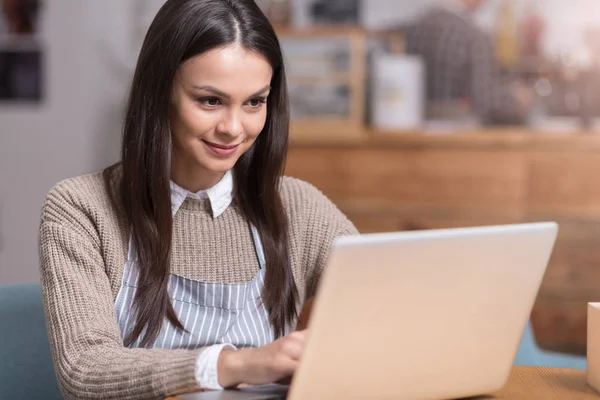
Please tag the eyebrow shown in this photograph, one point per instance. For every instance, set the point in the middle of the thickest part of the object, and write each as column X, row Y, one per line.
column 225, row 95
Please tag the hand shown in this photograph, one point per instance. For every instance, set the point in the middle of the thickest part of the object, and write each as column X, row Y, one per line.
column 274, row 362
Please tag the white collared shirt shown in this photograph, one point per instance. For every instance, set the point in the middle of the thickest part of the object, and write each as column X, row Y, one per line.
column 219, row 195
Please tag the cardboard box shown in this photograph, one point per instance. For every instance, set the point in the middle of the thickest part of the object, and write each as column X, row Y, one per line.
column 593, row 346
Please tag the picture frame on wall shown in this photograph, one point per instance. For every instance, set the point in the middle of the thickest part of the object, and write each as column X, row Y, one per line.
column 21, row 52
column 326, row 81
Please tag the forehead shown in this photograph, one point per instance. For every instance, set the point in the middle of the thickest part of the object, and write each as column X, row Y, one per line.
column 231, row 69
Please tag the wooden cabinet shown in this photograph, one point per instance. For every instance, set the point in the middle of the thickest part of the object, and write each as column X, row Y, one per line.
column 389, row 182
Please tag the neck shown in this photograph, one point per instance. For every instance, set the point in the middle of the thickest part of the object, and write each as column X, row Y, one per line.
column 194, row 178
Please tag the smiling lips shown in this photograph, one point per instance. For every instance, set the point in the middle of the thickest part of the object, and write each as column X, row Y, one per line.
column 219, row 149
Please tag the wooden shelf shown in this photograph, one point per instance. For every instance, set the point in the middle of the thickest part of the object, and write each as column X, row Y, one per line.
column 485, row 138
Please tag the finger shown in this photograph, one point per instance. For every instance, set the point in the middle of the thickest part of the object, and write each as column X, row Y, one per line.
column 287, row 366
column 293, row 348
column 299, row 335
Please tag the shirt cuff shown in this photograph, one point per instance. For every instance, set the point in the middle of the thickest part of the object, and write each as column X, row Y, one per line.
column 206, row 366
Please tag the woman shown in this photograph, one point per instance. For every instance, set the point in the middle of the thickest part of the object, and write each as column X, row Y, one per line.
column 184, row 266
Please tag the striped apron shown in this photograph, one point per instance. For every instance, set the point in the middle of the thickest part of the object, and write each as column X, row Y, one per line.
column 211, row 313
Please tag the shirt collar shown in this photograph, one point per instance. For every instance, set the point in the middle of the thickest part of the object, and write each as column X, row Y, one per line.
column 220, row 195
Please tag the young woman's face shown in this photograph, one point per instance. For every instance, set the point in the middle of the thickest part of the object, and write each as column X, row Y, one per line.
column 218, row 108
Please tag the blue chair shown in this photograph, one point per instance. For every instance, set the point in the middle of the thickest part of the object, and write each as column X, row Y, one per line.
column 529, row 354
column 26, row 368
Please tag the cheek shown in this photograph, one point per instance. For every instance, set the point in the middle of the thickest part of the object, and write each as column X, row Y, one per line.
column 255, row 124
column 193, row 121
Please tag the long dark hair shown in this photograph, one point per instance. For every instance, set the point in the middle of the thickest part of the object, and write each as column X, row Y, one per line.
column 183, row 29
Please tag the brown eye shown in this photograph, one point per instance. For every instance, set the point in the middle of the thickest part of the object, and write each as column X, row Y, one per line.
column 210, row 101
column 257, row 102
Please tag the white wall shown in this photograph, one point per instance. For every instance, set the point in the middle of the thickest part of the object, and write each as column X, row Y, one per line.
column 71, row 133
column 91, row 49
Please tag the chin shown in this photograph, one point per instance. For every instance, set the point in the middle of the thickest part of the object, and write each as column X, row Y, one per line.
column 216, row 164
column 217, row 167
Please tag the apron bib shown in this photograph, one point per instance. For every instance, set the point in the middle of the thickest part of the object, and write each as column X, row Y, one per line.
column 212, row 313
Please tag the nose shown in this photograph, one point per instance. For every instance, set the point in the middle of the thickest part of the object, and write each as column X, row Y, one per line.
column 231, row 124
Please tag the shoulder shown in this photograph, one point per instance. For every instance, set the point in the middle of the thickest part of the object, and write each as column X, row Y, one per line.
column 432, row 26
column 447, row 20
column 437, row 17
column 77, row 200
column 297, row 193
column 308, row 205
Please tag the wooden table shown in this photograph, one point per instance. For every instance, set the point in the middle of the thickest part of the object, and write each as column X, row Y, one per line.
column 535, row 383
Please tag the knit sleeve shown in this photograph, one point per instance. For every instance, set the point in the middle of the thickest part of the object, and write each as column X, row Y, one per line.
column 317, row 222
column 89, row 356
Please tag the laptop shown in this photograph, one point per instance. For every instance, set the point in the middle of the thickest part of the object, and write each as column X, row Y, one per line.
column 433, row 314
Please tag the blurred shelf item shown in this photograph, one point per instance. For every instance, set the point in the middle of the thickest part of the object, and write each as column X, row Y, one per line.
column 277, row 11
column 284, row 31
column 397, row 88
column 22, row 70
column 326, row 76
column 310, row 13
column 532, row 31
column 407, row 180
column 393, row 39
column 506, row 35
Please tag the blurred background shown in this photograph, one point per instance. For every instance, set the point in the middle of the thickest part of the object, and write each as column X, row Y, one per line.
column 407, row 114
